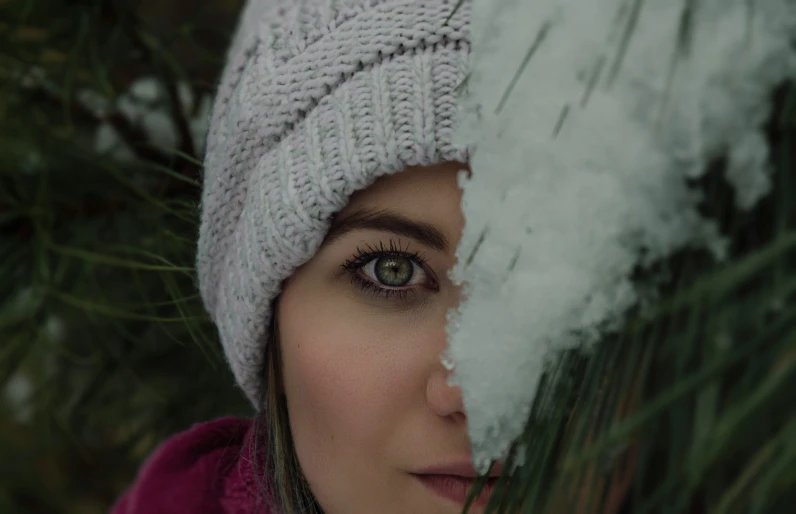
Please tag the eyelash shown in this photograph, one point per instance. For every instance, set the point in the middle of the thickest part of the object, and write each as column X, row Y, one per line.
column 363, row 257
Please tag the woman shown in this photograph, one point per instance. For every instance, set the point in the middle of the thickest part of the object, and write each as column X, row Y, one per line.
column 330, row 217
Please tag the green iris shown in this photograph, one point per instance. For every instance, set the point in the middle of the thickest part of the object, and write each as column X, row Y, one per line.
column 393, row 271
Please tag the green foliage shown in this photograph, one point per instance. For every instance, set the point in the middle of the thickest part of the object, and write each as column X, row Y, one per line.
column 105, row 348
column 690, row 408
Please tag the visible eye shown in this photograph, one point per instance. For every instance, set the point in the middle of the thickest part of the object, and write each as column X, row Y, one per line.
column 390, row 272
column 393, row 271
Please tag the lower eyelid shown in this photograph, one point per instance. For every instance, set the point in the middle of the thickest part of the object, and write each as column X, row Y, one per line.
column 368, row 286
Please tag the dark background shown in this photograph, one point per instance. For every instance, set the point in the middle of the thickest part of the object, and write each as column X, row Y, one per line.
column 105, row 349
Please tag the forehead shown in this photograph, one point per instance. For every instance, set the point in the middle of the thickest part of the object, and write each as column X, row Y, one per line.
column 424, row 193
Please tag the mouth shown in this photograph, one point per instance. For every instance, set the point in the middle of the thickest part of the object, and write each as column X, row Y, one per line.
column 455, row 487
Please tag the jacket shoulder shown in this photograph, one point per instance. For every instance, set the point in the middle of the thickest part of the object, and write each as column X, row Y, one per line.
column 193, row 471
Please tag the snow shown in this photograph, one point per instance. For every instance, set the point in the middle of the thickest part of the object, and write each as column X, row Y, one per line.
column 580, row 174
column 17, row 394
column 145, row 105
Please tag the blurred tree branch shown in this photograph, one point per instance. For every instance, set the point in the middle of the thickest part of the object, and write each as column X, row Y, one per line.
column 105, row 348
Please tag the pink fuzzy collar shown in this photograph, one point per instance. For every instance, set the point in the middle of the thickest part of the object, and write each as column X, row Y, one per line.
column 206, row 469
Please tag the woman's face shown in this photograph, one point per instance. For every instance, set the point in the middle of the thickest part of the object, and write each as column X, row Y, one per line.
column 362, row 327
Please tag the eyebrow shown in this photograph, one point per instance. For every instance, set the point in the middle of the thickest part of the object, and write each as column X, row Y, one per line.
column 388, row 221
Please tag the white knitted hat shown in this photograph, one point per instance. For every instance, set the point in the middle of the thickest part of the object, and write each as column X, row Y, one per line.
column 319, row 98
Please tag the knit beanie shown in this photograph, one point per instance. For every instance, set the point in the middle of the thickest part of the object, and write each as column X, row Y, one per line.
column 318, row 99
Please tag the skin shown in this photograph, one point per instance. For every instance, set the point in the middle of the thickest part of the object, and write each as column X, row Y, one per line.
column 367, row 396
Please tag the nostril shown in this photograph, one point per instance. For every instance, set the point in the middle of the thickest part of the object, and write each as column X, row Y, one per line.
column 445, row 400
column 459, row 417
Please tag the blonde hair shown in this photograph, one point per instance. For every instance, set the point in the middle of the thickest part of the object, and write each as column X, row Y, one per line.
column 283, row 484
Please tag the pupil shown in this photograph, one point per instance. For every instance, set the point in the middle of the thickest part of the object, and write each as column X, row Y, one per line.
column 393, row 271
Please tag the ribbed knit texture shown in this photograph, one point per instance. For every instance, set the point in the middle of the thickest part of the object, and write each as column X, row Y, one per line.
column 318, row 99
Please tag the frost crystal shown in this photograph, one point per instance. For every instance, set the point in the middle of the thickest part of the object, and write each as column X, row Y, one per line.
column 580, row 171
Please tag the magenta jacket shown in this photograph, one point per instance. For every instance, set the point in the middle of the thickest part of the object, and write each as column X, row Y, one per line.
column 199, row 471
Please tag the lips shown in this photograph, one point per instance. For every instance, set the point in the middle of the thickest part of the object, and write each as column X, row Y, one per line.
column 460, row 469
column 455, row 487
column 453, row 481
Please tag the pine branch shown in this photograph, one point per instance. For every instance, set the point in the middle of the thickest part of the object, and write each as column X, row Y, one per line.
column 97, row 295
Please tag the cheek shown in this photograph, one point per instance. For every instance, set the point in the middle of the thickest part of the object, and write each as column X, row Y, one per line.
column 334, row 383
column 350, row 378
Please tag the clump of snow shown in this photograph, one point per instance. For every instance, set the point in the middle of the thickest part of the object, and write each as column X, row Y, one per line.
column 17, row 394
column 145, row 105
column 580, row 173
column 54, row 329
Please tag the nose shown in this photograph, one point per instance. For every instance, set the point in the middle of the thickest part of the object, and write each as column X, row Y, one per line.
column 443, row 399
